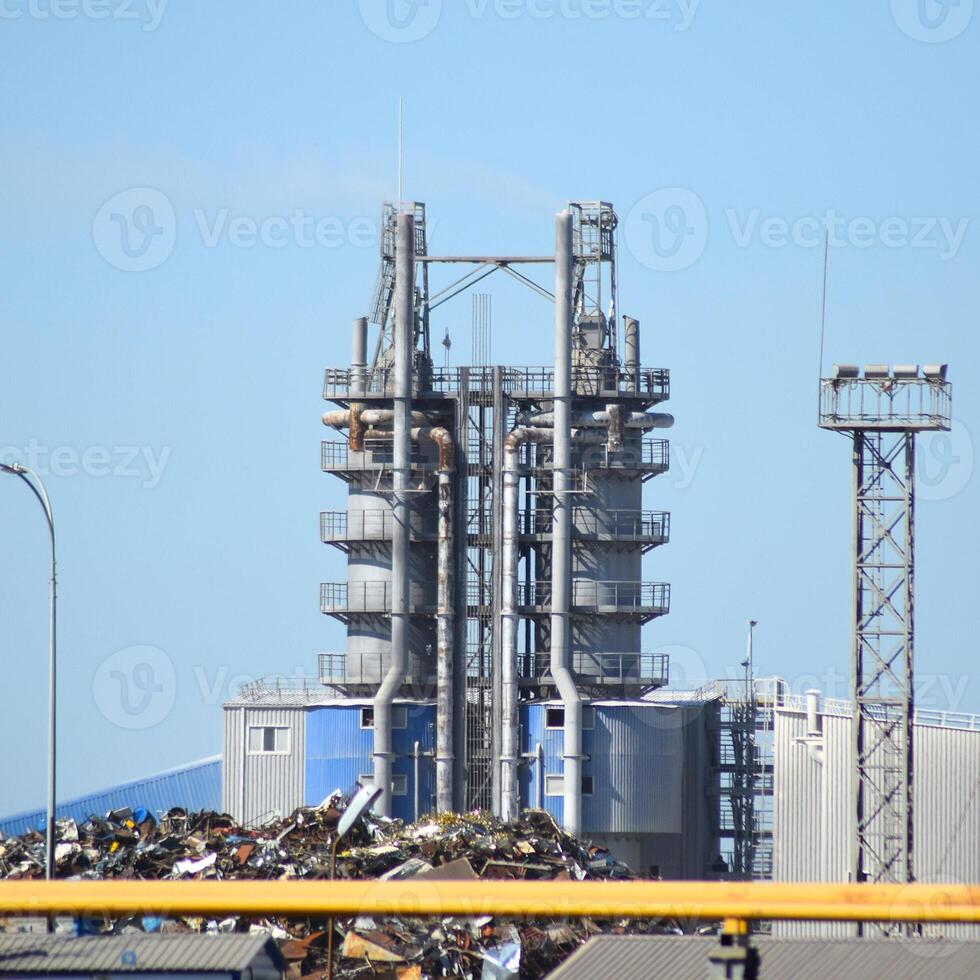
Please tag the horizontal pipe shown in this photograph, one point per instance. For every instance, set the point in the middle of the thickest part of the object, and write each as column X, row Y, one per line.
column 635, row 420
column 694, row 901
column 340, row 418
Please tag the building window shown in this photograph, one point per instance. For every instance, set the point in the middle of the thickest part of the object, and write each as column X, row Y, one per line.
column 399, row 717
column 554, row 785
column 399, row 782
column 268, row 740
column 586, row 785
column 554, row 718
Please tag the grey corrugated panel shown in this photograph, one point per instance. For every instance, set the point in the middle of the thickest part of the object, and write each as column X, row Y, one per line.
column 269, row 785
column 637, row 765
column 134, row 953
column 196, row 786
column 686, row 958
column 812, row 808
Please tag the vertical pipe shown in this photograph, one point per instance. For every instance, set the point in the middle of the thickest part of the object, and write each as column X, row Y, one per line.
column 404, row 339
column 358, row 383
column 445, row 629
column 509, row 619
column 508, row 629
column 358, row 361
column 561, row 554
column 539, row 754
column 813, row 712
column 631, row 351
column 416, row 752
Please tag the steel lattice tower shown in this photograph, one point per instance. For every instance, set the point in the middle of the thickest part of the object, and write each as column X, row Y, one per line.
column 882, row 412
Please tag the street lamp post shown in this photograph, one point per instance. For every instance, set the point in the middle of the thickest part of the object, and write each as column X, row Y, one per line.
column 38, row 489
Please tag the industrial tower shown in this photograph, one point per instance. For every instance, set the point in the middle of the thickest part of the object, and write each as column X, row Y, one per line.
column 495, row 528
column 882, row 411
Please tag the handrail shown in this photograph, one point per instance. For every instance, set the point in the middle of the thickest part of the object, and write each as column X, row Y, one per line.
column 589, row 594
column 703, row 901
column 635, row 524
column 650, row 382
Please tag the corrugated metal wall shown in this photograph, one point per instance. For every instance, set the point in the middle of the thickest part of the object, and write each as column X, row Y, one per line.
column 651, row 770
column 196, row 786
column 812, row 808
column 259, row 787
column 338, row 751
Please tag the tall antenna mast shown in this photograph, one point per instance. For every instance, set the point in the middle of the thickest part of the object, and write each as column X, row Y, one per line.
column 401, row 108
column 823, row 305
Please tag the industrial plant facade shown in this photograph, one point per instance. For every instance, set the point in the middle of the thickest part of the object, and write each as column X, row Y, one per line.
column 494, row 536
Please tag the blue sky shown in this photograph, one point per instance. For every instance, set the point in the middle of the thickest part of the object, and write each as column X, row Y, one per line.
column 175, row 409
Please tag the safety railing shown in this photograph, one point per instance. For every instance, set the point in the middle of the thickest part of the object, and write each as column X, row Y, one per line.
column 842, row 708
column 358, row 525
column 641, row 669
column 648, row 598
column 355, row 597
column 652, row 384
column 587, row 522
column 649, row 456
column 359, row 668
column 335, row 456
column 885, row 403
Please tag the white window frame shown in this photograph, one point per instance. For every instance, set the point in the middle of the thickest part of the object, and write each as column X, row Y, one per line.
column 590, row 792
column 288, row 739
column 554, row 784
column 399, row 717
column 399, row 782
column 588, row 718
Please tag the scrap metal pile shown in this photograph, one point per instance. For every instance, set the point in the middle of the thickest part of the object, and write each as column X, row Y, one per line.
column 132, row 844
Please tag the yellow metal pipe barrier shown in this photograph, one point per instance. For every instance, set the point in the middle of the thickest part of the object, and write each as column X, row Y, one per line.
column 685, row 900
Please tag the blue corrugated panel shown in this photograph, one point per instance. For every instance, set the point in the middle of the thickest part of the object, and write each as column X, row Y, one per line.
column 634, row 757
column 195, row 787
column 339, row 750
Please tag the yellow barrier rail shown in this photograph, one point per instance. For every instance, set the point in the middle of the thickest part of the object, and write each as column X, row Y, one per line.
column 684, row 900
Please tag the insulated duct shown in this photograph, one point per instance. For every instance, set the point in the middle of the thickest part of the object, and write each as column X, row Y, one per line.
column 561, row 551
column 404, row 330
column 510, row 721
column 631, row 350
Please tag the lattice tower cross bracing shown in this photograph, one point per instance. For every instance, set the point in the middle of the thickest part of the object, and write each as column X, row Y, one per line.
column 881, row 412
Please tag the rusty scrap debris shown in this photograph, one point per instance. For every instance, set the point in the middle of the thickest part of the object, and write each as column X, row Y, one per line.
column 188, row 846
